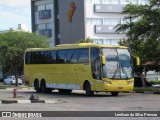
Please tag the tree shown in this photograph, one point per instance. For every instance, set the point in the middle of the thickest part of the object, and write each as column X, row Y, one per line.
column 88, row 40
column 13, row 45
column 143, row 30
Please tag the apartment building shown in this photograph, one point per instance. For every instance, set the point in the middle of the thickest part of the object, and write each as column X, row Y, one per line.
column 67, row 21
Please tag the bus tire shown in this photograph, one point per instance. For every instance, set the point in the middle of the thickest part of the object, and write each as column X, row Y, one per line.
column 88, row 89
column 43, row 86
column 36, row 86
column 114, row 93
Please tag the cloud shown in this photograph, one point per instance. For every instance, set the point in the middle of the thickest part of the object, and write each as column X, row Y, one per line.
column 15, row 3
column 10, row 20
column 14, row 12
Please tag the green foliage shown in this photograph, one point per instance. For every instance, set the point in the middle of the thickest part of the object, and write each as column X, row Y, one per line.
column 13, row 45
column 143, row 30
column 155, row 82
column 88, row 40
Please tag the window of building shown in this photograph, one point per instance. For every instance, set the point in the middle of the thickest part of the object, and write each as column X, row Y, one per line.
column 49, row 26
column 42, row 26
column 111, row 41
column 98, row 41
column 125, row 2
column 115, row 42
column 94, row 1
column 111, row 1
column 36, row 27
column 36, row 8
column 41, row 7
column 45, row 26
column 45, row 29
column 106, row 41
column 49, row 6
column 44, row 7
column 111, row 21
column 94, row 21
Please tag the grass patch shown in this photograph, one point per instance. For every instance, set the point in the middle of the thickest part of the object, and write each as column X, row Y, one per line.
column 146, row 89
column 154, row 82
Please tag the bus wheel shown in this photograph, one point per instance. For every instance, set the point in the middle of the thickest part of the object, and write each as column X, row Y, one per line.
column 36, row 86
column 43, row 86
column 88, row 89
column 114, row 93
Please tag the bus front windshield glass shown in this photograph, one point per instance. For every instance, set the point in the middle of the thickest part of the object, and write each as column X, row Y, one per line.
column 118, row 63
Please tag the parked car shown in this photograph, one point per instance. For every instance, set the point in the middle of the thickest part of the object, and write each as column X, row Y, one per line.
column 12, row 80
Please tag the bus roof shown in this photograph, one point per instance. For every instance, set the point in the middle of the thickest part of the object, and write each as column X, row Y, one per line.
column 80, row 45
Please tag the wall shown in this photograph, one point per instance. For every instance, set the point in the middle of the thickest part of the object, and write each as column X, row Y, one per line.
column 70, row 32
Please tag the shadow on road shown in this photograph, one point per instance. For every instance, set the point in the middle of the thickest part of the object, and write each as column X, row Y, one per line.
column 77, row 94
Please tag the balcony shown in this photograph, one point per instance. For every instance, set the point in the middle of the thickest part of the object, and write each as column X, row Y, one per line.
column 110, row 29
column 108, row 8
column 101, row 29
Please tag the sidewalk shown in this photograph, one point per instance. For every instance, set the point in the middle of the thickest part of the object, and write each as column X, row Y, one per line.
column 6, row 97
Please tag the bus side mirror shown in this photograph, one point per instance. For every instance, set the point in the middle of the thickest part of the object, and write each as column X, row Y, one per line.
column 137, row 61
column 103, row 60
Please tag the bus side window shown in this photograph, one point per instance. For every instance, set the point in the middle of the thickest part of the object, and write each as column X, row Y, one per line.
column 95, row 63
column 61, row 56
column 51, row 57
column 83, row 55
column 74, row 57
column 69, row 55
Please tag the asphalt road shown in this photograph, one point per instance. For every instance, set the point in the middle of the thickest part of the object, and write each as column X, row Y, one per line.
column 78, row 101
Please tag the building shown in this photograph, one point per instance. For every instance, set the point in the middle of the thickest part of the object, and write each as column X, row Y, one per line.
column 23, row 27
column 67, row 21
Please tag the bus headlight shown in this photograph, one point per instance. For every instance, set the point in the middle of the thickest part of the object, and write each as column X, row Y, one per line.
column 130, row 82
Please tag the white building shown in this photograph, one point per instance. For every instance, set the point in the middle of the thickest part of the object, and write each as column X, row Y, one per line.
column 66, row 21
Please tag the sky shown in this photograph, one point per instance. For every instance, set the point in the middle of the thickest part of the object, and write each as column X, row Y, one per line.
column 14, row 12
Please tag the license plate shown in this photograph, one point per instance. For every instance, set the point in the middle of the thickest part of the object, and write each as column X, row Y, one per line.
column 119, row 88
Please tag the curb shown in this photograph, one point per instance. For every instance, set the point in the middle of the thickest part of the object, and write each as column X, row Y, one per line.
column 146, row 92
column 25, row 101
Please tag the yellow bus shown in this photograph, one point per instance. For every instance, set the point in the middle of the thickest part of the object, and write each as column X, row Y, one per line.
column 84, row 66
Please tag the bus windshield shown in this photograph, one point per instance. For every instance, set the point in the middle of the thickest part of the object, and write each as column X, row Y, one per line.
column 118, row 63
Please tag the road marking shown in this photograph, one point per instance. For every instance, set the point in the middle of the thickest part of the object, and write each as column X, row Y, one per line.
column 24, row 101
